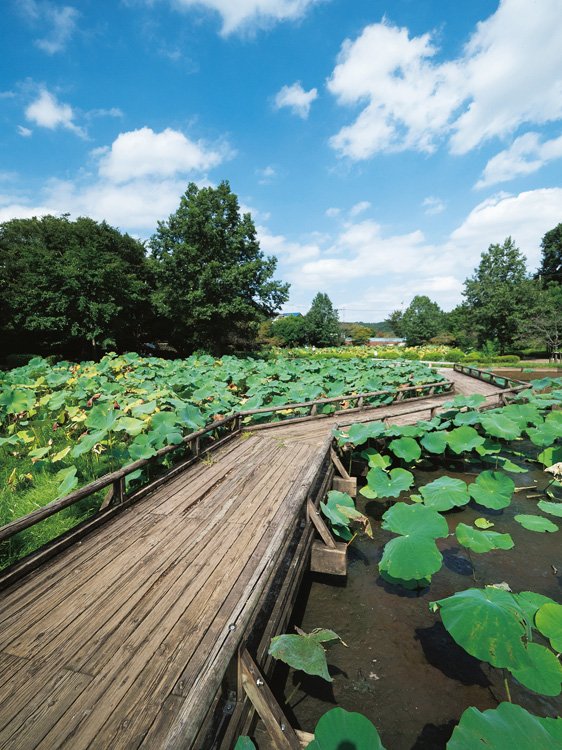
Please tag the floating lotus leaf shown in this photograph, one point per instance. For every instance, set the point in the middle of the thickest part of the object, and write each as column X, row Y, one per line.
column 410, row 584
column 360, row 433
column 339, row 729
column 551, row 456
column 496, row 425
column 536, row 523
column 304, row 651
column 471, row 401
column 555, row 509
column 507, row 727
column 541, row 383
column 543, row 674
column 492, row 489
column 488, row 447
column 415, row 520
column 192, row 417
column 434, row 442
column 530, row 602
column 406, row 448
column 387, row 485
column 466, row 418
column 483, row 523
column 505, row 463
column 482, row 541
column 445, row 493
column 488, row 623
column 548, row 620
column 375, row 459
column 544, row 435
column 464, row 439
column 523, row 414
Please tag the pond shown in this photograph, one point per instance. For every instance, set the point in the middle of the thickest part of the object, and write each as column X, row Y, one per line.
column 401, row 668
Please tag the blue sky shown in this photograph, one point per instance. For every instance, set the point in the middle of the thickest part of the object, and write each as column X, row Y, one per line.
column 380, row 146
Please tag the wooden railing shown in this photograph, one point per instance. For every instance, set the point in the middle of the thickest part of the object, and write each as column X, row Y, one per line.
column 233, row 425
column 488, row 377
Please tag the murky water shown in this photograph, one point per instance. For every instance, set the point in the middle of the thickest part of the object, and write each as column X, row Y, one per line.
column 527, row 376
column 401, row 668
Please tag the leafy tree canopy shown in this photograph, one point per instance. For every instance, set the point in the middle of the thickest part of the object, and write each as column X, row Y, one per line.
column 422, row 320
column 322, row 322
column 551, row 247
column 72, row 286
column 212, row 278
column 291, row 330
column 499, row 294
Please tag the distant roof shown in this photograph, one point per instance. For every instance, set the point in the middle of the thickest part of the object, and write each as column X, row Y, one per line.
column 290, row 315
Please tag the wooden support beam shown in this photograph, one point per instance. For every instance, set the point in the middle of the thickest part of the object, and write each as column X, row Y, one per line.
column 345, row 485
column 332, row 560
column 281, row 732
column 321, row 528
column 338, row 464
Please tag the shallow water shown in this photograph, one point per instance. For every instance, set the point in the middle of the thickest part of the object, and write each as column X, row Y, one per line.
column 527, row 376
column 401, row 668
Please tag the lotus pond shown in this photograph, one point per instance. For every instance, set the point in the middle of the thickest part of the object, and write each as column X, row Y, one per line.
column 454, row 601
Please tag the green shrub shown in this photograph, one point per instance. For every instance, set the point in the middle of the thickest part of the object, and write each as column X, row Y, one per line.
column 455, row 355
column 411, row 355
column 18, row 360
column 507, row 359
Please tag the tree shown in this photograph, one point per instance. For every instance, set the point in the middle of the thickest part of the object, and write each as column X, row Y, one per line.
column 212, row 278
column 290, row 330
column 544, row 323
column 73, row 287
column 323, row 327
column 394, row 321
column 499, row 295
column 551, row 247
column 358, row 333
column 422, row 320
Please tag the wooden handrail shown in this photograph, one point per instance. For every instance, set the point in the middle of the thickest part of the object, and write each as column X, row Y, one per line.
column 117, row 478
column 475, row 372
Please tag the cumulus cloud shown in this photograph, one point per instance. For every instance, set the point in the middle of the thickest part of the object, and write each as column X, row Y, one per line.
column 525, row 155
column 296, row 98
column 507, row 74
column 59, row 23
column 26, row 132
column 359, row 208
column 142, row 153
column 433, row 205
column 286, row 250
column 266, row 175
column 245, row 14
column 47, row 112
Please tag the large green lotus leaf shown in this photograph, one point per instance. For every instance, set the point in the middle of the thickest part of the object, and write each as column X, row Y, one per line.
column 445, row 493
column 544, row 435
column 87, row 442
column 555, row 509
column 304, row 651
column 551, row 455
column 102, row 417
column 466, row 418
column 142, row 447
column 464, row 439
column 415, row 520
column 507, row 727
column 472, row 401
column 541, row 383
column 360, row 433
column 488, row 623
column 339, row 729
column 388, row 485
column 15, row 401
column 375, row 459
column 407, row 430
column 492, row 489
column 482, row 541
column 68, row 481
column 499, row 426
column 406, row 448
column 411, row 557
column 130, row 425
column 410, row 584
column 163, row 420
column 536, row 523
column 434, row 442
column 543, row 674
column 192, row 417
column 523, row 414
column 244, row 743
column 548, row 620
column 555, row 417
column 488, row 447
column 141, row 410
column 505, row 463
column 530, row 602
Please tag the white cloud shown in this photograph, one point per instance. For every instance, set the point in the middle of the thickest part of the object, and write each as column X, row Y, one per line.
column 525, row 156
column 141, row 153
column 509, row 73
column 332, row 212
column 63, row 24
column 284, row 249
column 266, row 175
column 47, row 112
column 359, row 208
column 26, row 132
column 296, row 98
column 433, row 205
column 240, row 14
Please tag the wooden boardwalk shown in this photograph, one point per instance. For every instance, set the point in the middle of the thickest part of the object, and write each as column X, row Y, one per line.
column 122, row 640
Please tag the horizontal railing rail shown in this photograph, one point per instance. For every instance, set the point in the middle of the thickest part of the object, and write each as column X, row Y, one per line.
column 116, row 479
column 488, row 377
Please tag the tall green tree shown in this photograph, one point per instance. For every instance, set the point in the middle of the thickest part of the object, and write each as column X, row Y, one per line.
column 422, row 320
column 551, row 266
column 499, row 295
column 394, row 321
column 72, row 287
column 543, row 324
column 290, row 330
column 322, row 322
column 212, row 278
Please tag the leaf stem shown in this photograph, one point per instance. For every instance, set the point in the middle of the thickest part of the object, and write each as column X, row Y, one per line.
column 293, row 691
column 506, row 685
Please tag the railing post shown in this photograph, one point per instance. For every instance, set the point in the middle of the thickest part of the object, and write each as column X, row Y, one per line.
column 360, row 402
column 313, row 410
column 119, row 490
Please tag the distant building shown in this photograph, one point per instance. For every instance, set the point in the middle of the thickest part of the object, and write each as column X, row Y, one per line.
column 386, row 342
column 288, row 315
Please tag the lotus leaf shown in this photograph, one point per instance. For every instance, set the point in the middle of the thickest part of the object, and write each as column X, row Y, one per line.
column 15, row 401
column 68, row 481
column 102, row 417
column 40, row 452
column 339, row 729
column 530, row 602
column 505, row 463
column 375, row 459
column 543, row 674
column 464, row 439
column 504, row 728
column 492, row 489
column 244, row 743
column 60, row 455
column 496, row 425
column 304, row 651
column 406, row 448
column 410, row 584
column 536, row 523
column 466, row 418
column 488, row 447
column 360, row 433
column 434, row 442
column 544, row 435
column 555, row 509
column 482, row 541
column 472, row 401
column 87, row 442
column 445, row 493
column 130, row 425
column 488, row 623
column 551, row 456
column 541, row 383
column 142, row 447
column 387, row 485
column 548, row 619
column 483, row 523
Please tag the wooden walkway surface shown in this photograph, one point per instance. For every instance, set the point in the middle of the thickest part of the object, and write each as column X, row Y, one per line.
column 121, row 641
